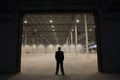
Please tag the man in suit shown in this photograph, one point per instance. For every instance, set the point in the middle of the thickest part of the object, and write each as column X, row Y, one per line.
column 59, row 56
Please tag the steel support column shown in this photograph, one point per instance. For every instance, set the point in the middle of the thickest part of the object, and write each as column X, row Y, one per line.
column 71, row 38
column 75, row 39
column 86, row 35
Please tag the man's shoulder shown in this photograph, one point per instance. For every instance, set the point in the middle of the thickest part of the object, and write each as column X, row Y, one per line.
column 59, row 52
column 62, row 51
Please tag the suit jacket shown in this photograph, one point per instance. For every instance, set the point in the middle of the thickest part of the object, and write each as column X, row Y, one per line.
column 59, row 55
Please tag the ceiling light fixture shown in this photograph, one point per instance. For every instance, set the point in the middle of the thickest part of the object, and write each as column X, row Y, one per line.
column 52, row 26
column 77, row 21
column 90, row 29
column 51, row 21
column 35, row 30
column 25, row 21
column 72, row 29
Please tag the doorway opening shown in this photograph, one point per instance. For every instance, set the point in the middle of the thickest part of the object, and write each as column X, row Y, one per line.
column 44, row 33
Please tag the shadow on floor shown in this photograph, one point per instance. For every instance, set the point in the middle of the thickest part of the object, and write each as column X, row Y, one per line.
column 95, row 76
column 5, row 77
column 65, row 77
column 102, row 76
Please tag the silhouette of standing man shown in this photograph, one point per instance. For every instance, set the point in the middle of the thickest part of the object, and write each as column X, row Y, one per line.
column 59, row 56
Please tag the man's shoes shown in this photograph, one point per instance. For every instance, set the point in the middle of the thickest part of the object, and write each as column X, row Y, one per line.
column 63, row 73
column 56, row 74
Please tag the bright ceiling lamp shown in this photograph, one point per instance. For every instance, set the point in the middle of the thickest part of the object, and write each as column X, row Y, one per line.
column 52, row 26
column 25, row 21
column 90, row 29
column 53, row 29
column 77, row 21
column 35, row 30
column 51, row 21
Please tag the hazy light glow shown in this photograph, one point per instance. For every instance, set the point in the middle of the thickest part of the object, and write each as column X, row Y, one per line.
column 25, row 21
column 51, row 21
column 79, row 45
column 72, row 45
column 53, row 29
column 58, row 46
column 52, row 26
column 34, row 46
column 41, row 46
column 35, row 30
column 50, row 46
column 64, row 45
column 77, row 21
column 90, row 29
column 26, row 46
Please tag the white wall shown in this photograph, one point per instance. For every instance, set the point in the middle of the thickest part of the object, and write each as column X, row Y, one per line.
column 50, row 49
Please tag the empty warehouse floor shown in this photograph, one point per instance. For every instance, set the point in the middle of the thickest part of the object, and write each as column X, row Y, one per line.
column 77, row 67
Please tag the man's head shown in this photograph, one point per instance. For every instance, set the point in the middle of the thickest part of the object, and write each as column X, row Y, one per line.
column 59, row 48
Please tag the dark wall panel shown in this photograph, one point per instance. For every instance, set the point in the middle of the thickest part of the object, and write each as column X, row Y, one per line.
column 27, row 5
column 8, row 42
column 109, row 35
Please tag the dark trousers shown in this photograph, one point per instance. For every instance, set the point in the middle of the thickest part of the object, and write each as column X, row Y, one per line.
column 61, row 66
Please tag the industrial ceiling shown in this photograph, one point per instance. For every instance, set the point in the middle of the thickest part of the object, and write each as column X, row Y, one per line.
column 57, row 28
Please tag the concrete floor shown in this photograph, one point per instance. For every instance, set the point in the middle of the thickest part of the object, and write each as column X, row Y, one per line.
column 77, row 67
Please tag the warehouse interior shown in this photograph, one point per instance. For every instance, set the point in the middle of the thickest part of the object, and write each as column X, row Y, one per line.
column 43, row 33
column 26, row 61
